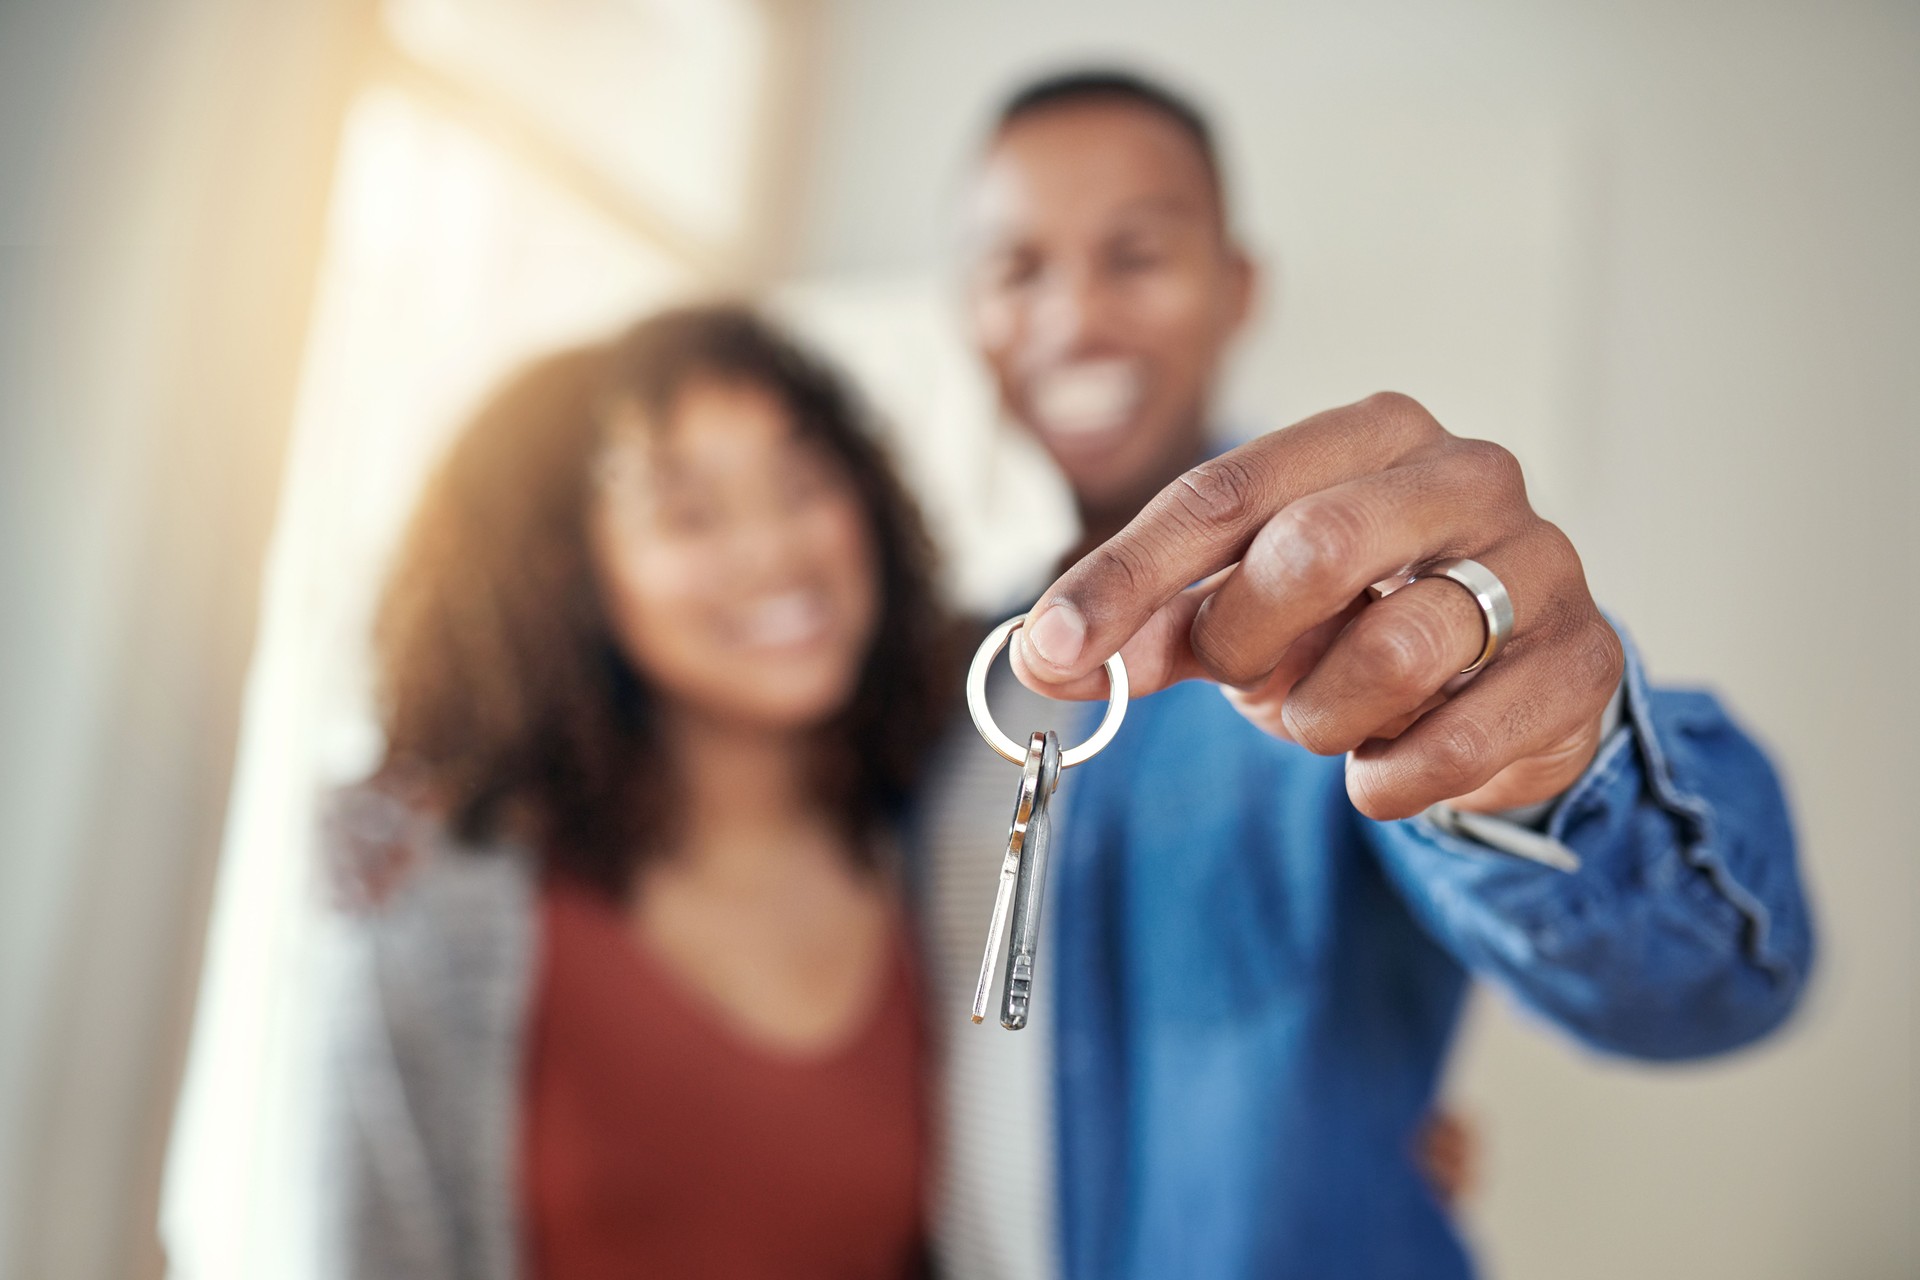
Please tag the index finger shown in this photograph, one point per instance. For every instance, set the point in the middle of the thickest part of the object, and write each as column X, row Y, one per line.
column 1200, row 524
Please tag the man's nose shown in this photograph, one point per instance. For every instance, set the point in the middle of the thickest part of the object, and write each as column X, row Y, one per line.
column 1070, row 315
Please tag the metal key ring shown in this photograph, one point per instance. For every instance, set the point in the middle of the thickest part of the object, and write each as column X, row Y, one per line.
column 1006, row 747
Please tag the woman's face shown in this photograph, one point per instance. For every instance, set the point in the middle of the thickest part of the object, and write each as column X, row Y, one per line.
column 735, row 560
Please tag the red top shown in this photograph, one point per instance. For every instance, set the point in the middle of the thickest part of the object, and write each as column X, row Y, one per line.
column 658, row 1141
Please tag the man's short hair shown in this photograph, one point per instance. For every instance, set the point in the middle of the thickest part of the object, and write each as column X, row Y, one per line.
column 1089, row 85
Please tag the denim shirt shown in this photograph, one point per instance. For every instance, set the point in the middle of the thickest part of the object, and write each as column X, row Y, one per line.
column 1255, row 986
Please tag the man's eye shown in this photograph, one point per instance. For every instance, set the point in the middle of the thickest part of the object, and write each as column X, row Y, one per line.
column 1132, row 258
column 1016, row 270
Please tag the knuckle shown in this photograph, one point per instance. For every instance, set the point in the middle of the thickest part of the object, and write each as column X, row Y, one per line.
column 1600, row 659
column 1225, row 652
column 1563, row 560
column 1404, row 415
column 1223, row 662
column 1564, row 608
column 1403, row 655
column 1123, row 563
column 1313, row 537
column 1396, row 405
column 1224, row 658
column 1457, row 755
column 1310, row 724
column 1219, row 492
column 1497, row 467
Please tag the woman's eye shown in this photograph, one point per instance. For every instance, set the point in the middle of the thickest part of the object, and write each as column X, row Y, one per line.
column 686, row 515
column 804, row 483
column 1131, row 258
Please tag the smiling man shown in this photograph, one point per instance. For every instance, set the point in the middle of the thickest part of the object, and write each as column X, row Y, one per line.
column 1397, row 747
column 1104, row 287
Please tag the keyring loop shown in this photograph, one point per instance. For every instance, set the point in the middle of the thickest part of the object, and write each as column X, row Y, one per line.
column 1006, row 747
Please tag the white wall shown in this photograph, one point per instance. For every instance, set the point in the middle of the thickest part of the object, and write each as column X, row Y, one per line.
column 1671, row 259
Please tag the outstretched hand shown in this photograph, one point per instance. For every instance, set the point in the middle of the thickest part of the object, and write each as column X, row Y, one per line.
column 1253, row 570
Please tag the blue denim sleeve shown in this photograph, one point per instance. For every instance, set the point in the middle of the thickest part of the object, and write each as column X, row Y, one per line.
column 1683, row 933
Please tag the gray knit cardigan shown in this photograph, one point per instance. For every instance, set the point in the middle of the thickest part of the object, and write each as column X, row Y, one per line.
column 426, row 989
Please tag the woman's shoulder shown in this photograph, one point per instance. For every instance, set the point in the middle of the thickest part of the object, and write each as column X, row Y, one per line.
column 422, row 968
column 396, row 876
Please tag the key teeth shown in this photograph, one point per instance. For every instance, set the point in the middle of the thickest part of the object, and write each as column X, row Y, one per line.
column 1019, row 989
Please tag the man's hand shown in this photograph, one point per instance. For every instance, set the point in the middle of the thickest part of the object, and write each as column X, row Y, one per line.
column 1253, row 569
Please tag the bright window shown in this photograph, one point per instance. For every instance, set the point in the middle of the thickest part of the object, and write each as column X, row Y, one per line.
column 513, row 174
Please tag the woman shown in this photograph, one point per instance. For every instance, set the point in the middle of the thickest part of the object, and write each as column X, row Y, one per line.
column 627, row 991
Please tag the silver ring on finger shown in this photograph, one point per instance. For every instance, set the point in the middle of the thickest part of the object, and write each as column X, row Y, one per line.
column 1496, row 606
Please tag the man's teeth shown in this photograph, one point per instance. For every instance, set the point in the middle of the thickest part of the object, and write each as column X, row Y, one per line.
column 793, row 618
column 1089, row 397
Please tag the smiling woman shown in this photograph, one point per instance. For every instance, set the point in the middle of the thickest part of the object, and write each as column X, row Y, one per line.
column 658, row 660
column 689, row 516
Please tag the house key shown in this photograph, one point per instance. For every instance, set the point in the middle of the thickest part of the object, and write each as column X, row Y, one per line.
column 1029, row 890
column 1025, row 802
column 1023, row 867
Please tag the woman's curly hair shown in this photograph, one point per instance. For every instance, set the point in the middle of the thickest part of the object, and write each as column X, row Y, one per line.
column 502, row 691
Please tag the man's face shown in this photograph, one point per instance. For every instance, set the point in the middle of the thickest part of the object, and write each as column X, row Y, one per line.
column 1103, row 292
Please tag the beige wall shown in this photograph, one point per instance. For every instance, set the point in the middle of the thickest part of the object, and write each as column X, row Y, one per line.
column 160, row 210
column 1671, row 260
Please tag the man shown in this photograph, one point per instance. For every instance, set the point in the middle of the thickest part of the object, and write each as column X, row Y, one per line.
column 1268, row 893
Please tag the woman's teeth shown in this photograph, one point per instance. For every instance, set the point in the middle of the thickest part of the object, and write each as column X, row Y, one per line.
column 782, row 621
column 1088, row 397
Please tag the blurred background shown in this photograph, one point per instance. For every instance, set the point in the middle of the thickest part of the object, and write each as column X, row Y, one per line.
column 255, row 260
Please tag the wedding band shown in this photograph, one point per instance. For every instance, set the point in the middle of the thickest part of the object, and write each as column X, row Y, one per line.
column 1006, row 747
column 1496, row 607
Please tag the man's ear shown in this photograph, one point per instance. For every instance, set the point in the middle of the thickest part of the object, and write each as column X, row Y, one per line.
column 1248, row 287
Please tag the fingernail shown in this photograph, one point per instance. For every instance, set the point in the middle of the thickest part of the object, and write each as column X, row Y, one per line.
column 1058, row 635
